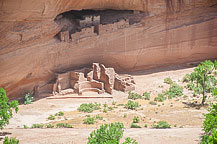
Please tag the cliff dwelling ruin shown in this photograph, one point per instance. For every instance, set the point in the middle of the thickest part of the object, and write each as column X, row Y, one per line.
column 76, row 25
column 96, row 79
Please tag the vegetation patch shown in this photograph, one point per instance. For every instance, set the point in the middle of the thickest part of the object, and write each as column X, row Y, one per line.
column 146, row 95
column 51, row 117
column 49, row 126
column 37, row 126
column 60, row 113
column 133, row 125
column 160, row 98
column 109, row 134
column 132, row 105
column 168, row 81
column 152, row 103
column 161, row 125
column 174, row 91
column 64, row 125
column 28, row 98
column 89, row 107
column 135, row 119
column 89, row 121
column 10, row 140
column 6, row 108
column 134, row 96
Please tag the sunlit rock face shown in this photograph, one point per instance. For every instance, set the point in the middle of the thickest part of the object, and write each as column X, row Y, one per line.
column 41, row 38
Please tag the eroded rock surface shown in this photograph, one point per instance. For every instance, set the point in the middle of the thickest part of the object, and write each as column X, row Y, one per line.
column 34, row 46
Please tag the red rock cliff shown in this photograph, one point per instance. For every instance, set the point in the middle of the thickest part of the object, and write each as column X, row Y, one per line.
column 174, row 32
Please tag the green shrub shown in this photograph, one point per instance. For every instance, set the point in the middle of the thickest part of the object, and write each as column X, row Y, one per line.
column 51, row 117
column 190, row 86
column 114, row 103
column 152, row 103
column 10, row 140
column 89, row 121
column 89, row 107
column 161, row 125
column 146, row 95
column 134, row 96
column 59, row 113
column 174, row 91
column 37, row 126
column 210, row 139
column 110, row 108
column 107, row 134
column 28, row 99
column 160, row 97
column 99, row 117
column 105, row 110
column 120, row 105
column 168, row 80
column 133, row 125
column 146, row 125
column 49, row 126
column 129, row 140
column 210, row 121
column 186, row 78
column 64, row 125
column 135, row 119
column 132, row 105
column 6, row 108
column 25, row 127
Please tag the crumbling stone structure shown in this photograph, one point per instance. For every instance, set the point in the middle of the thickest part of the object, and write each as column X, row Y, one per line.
column 96, row 79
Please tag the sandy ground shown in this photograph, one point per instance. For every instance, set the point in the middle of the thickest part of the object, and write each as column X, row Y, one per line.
column 186, row 121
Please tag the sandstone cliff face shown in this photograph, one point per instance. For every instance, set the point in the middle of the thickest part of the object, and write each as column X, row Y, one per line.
column 173, row 32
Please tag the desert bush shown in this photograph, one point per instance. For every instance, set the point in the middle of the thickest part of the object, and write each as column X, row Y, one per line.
column 10, row 140
column 105, row 110
column 37, row 126
column 134, row 96
column 6, row 108
column 60, row 113
column 64, row 125
column 135, row 119
column 88, row 120
column 28, row 98
column 129, row 140
column 146, row 126
column 160, row 98
column 51, row 117
column 146, row 95
column 25, row 127
column 174, row 91
column 210, row 139
column 110, row 108
column 168, row 80
column 49, row 126
column 89, row 107
column 107, row 134
column 186, row 78
column 152, row 103
column 210, row 121
column 133, row 125
column 132, row 105
column 161, row 125
column 99, row 117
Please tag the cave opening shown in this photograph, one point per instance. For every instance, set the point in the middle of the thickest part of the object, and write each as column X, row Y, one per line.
column 73, row 21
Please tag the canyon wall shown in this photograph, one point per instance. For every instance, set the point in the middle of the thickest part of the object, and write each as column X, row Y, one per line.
column 173, row 32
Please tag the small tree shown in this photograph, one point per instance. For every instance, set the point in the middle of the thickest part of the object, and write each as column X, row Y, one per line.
column 203, row 77
column 6, row 108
